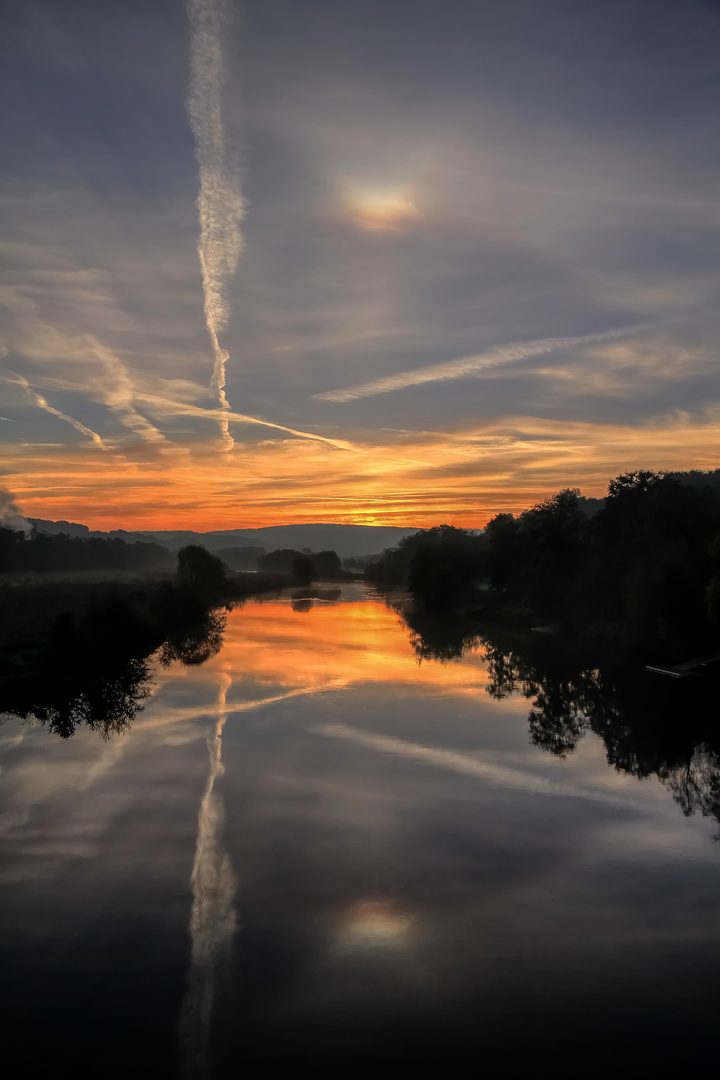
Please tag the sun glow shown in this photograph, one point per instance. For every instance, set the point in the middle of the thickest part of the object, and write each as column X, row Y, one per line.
column 387, row 211
column 371, row 924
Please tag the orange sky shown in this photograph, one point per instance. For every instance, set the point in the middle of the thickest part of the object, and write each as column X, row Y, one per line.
column 421, row 479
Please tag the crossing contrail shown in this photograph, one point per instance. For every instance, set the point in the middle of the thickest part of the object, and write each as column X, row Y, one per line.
column 469, row 365
column 43, row 403
column 164, row 406
column 220, row 202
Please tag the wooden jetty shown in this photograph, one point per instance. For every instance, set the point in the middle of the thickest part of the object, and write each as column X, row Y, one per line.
column 703, row 667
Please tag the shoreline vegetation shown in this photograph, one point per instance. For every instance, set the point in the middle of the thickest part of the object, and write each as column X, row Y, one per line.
column 636, row 574
column 620, row 581
column 648, row 726
column 80, row 653
column 78, row 646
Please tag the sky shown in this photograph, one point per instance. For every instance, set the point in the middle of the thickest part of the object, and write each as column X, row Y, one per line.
column 394, row 262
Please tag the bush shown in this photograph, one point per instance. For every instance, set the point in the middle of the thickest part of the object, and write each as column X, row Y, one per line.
column 199, row 570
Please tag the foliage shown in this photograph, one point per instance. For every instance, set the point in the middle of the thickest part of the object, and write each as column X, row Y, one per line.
column 572, row 693
column 200, row 571
column 41, row 553
column 80, row 653
column 303, row 569
column 640, row 568
column 326, row 564
column 439, row 565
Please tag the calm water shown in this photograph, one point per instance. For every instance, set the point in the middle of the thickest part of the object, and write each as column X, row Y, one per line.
column 325, row 848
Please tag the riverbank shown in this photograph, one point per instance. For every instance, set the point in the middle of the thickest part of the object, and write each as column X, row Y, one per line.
column 63, row 643
column 29, row 606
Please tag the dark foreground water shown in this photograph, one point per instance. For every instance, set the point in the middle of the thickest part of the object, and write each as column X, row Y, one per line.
column 325, row 850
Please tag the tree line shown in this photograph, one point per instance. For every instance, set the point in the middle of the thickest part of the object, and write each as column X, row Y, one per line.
column 639, row 567
column 42, row 553
column 74, row 653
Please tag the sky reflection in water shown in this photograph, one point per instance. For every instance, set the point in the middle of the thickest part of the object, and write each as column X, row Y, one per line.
column 383, row 864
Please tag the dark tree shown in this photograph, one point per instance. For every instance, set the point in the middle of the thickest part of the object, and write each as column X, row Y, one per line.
column 303, row 569
column 327, row 565
column 279, row 561
column 199, row 570
column 40, row 552
column 439, row 565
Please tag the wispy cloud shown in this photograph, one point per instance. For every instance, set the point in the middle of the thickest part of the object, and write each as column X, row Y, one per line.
column 112, row 385
column 469, row 365
column 119, row 393
column 42, row 403
column 174, row 408
column 220, row 202
column 462, row 477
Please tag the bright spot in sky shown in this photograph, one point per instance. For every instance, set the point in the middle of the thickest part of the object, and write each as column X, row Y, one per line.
column 372, row 925
column 381, row 210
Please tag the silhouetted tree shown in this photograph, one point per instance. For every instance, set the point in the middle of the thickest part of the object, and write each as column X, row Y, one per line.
column 303, row 569
column 641, row 568
column 42, row 553
column 280, row 561
column 505, row 549
column 327, row 565
column 198, row 569
column 439, row 565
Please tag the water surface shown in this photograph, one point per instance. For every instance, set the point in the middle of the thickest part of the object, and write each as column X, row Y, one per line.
column 325, row 847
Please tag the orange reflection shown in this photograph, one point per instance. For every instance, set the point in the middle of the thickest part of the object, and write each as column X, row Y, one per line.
column 334, row 645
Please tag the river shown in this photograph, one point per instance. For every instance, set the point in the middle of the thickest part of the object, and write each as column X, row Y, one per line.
column 350, row 842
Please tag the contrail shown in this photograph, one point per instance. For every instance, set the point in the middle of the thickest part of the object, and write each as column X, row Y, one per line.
column 119, row 395
column 468, row 365
column 213, row 919
column 42, row 403
column 220, row 202
column 177, row 408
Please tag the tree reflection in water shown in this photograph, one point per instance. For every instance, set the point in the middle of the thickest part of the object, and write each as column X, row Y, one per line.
column 196, row 645
column 650, row 726
column 79, row 681
column 107, row 702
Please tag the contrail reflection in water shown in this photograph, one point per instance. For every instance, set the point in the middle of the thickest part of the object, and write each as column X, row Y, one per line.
column 469, row 765
column 213, row 918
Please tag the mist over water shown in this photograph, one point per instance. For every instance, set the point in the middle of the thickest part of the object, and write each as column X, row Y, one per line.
column 339, row 833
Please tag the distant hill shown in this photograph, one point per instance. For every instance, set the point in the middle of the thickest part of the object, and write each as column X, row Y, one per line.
column 347, row 540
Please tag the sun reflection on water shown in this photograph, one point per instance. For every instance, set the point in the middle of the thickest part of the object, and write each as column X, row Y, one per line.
column 269, row 644
column 373, row 924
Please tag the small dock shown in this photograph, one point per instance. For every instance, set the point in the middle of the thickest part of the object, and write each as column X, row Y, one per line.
column 707, row 667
